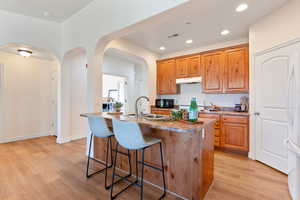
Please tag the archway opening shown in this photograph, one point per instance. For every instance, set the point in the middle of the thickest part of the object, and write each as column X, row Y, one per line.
column 73, row 96
column 124, row 79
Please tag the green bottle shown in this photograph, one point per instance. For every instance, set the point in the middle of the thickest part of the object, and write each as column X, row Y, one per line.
column 193, row 110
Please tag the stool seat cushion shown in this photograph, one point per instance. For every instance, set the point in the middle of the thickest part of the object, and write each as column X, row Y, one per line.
column 149, row 141
column 130, row 136
column 98, row 127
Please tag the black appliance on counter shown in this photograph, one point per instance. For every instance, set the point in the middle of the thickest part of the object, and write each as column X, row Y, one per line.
column 164, row 103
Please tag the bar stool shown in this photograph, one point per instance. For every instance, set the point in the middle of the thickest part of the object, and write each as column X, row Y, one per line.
column 99, row 129
column 130, row 136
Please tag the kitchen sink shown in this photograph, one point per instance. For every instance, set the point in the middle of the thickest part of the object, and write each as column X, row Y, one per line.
column 156, row 117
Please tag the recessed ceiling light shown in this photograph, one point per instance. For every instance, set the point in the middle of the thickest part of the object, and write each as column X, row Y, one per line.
column 189, row 41
column 162, row 48
column 24, row 53
column 225, row 32
column 46, row 13
column 242, row 7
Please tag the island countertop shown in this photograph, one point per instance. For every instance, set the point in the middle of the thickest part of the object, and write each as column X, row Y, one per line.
column 188, row 151
column 176, row 126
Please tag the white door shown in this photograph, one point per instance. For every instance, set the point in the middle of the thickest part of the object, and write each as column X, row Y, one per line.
column 294, row 128
column 272, row 72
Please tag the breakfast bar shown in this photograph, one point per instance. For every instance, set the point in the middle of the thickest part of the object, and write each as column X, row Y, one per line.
column 188, row 151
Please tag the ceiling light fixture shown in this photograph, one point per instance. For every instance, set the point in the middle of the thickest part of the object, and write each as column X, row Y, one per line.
column 242, row 7
column 225, row 32
column 46, row 14
column 24, row 53
column 189, row 41
column 162, row 48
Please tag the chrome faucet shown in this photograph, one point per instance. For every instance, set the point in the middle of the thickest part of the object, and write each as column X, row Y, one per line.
column 137, row 114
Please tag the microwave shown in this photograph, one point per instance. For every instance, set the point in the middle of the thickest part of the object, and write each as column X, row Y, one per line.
column 164, row 103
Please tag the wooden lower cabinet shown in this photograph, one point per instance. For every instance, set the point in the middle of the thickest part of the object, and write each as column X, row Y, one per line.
column 235, row 133
column 230, row 132
column 217, row 127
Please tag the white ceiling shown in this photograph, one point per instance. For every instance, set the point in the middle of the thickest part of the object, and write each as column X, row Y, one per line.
column 58, row 10
column 208, row 18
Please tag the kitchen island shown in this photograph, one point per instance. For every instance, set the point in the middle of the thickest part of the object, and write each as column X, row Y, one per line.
column 188, row 151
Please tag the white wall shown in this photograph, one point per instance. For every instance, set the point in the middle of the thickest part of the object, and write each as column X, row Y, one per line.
column 280, row 26
column 31, row 31
column 101, row 18
column 73, row 95
column 26, row 97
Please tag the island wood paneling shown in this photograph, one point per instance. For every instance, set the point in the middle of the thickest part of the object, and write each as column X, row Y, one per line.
column 188, row 160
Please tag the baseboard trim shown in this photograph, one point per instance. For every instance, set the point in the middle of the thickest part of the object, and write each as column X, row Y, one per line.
column 71, row 138
column 78, row 137
column 19, row 138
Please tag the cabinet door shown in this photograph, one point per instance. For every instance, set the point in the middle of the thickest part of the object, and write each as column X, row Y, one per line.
column 235, row 136
column 171, row 77
column 237, row 70
column 160, row 77
column 182, row 67
column 166, row 80
column 213, row 67
column 194, row 66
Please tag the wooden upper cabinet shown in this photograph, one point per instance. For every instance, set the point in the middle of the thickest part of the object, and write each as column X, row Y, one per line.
column 182, row 65
column 223, row 71
column 194, row 66
column 236, row 70
column 166, row 77
column 213, row 72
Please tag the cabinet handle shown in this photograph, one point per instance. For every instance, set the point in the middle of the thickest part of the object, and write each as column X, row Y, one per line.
column 257, row 113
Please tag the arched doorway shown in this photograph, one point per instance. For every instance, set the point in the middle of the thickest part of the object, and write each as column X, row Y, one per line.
column 124, row 79
column 73, row 95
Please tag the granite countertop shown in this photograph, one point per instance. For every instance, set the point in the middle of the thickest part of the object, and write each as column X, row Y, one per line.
column 229, row 111
column 225, row 113
column 175, row 126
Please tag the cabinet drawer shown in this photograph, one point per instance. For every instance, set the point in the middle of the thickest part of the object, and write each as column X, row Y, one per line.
column 234, row 119
column 210, row 116
column 161, row 112
column 217, row 141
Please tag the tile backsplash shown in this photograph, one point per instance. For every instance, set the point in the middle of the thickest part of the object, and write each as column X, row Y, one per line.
column 195, row 90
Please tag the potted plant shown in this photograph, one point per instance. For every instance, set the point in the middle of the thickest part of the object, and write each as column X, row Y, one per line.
column 118, row 106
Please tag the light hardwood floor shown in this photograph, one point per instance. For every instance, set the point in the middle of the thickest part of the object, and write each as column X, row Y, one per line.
column 40, row 169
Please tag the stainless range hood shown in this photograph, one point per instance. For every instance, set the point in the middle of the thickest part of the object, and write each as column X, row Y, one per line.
column 191, row 80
